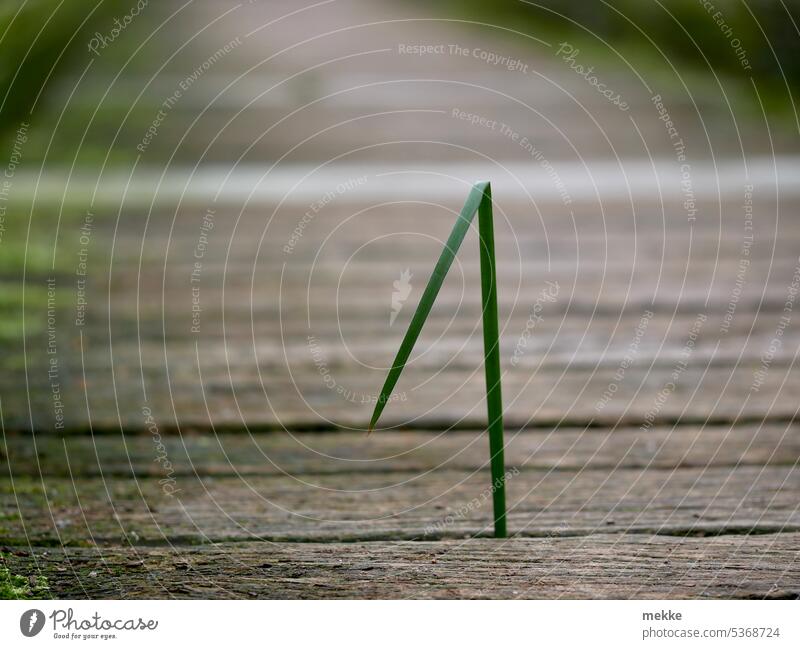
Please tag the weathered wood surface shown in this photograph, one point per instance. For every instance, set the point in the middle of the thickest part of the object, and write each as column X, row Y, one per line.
column 407, row 486
column 600, row 566
column 443, row 504
column 253, row 364
column 295, row 453
column 234, row 400
column 188, row 504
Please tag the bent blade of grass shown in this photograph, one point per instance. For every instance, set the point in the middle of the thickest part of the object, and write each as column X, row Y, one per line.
column 480, row 200
column 457, row 235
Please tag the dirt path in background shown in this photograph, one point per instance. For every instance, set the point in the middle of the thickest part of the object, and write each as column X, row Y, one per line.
column 316, row 126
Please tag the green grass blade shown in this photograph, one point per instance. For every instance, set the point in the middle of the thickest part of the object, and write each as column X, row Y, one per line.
column 429, row 295
column 480, row 200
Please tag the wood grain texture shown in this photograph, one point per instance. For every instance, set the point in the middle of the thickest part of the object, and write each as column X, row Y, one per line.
column 700, row 502
column 231, row 455
column 252, row 363
column 400, row 505
column 600, row 566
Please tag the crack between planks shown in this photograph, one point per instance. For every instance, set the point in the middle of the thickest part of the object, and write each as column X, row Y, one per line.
column 414, row 470
column 185, row 540
column 431, row 425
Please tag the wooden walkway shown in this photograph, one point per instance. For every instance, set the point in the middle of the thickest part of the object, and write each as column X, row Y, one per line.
column 213, row 441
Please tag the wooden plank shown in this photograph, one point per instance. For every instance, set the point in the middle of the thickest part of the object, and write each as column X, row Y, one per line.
column 268, row 397
column 609, row 274
column 398, row 505
column 600, row 566
column 598, row 335
column 387, row 451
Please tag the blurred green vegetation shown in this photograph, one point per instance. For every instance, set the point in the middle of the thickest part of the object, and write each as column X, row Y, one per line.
column 40, row 41
column 696, row 36
column 35, row 251
column 45, row 49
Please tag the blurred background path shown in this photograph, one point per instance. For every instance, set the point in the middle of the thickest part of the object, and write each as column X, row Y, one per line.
column 337, row 161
